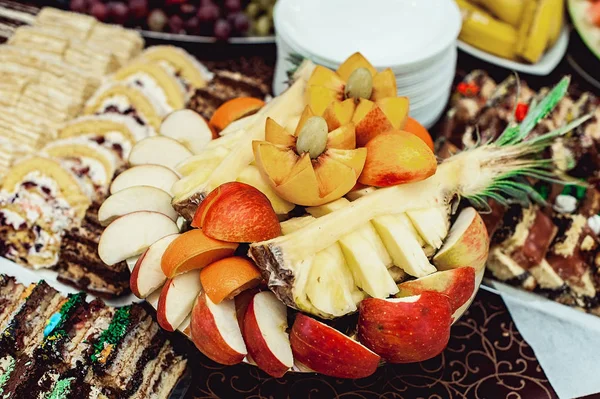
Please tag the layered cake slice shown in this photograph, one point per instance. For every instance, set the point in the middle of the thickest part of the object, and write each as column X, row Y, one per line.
column 80, row 265
column 10, row 298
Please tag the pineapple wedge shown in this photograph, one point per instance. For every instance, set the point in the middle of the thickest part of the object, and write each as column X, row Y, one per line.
column 212, row 158
column 432, row 224
column 402, row 244
column 291, row 225
column 365, row 253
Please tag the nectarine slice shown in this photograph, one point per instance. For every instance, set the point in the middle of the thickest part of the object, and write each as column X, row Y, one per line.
column 384, row 85
column 343, row 138
column 369, row 121
column 325, row 77
column 354, row 159
column 355, row 61
column 339, row 113
column 395, row 109
column 193, row 250
column 306, row 114
column 275, row 161
column 397, row 157
column 237, row 212
column 319, row 98
column 233, row 110
column 330, row 173
column 277, row 134
column 227, row 277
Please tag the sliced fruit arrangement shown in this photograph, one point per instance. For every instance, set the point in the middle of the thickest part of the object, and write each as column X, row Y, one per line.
column 512, row 29
column 392, row 250
column 586, row 18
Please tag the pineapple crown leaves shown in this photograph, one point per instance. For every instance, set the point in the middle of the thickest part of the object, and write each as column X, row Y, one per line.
column 514, row 158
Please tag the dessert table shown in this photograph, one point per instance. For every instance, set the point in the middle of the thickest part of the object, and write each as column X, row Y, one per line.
column 486, row 356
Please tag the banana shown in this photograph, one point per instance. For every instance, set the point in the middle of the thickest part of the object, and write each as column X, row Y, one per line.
column 509, row 11
column 556, row 25
column 481, row 30
column 534, row 31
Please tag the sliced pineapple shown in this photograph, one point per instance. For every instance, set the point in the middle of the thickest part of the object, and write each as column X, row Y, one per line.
column 432, row 224
column 403, row 245
column 251, row 176
column 291, row 225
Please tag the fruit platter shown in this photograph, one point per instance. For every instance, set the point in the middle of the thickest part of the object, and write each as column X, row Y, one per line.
column 586, row 18
column 315, row 231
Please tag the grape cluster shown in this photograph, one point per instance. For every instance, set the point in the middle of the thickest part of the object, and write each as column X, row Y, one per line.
column 219, row 18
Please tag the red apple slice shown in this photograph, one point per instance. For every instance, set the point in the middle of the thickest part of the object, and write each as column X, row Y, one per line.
column 153, row 299
column 134, row 199
column 184, row 327
column 145, row 175
column 147, row 275
column 328, row 351
column 216, row 332
column 158, row 150
column 187, row 127
column 177, row 299
column 131, row 234
column 406, row 330
column 467, row 243
column 457, row 284
column 265, row 325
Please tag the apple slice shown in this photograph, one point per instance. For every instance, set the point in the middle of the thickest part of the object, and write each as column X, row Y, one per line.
column 187, row 127
column 153, row 299
column 215, row 331
column 158, row 150
column 193, row 250
column 467, row 244
column 131, row 262
column 406, row 330
column 177, row 299
column 134, row 199
column 458, row 284
column 184, row 327
column 328, row 351
column 131, row 234
column 147, row 275
column 145, row 175
column 265, row 325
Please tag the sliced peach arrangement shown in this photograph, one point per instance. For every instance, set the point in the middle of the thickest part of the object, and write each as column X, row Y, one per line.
column 312, row 166
column 357, row 93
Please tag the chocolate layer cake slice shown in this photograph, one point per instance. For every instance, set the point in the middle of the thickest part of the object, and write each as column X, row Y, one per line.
column 10, row 298
column 80, row 265
column 122, row 351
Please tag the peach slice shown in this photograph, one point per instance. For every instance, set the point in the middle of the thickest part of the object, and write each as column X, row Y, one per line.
column 325, row 77
column 177, row 299
column 277, row 134
column 193, row 250
column 339, row 113
column 457, row 284
column 264, row 331
column 384, row 85
column 274, row 161
column 147, row 275
column 355, row 61
column 131, row 234
column 227, row 277
column 370, row 121
column 343, row 137
column 396, row 110
column 397, row 157
column 319, row 98
column 233, row 110
column 237, row 212
column 215, row 331
column 327, row 351
column 406, row 330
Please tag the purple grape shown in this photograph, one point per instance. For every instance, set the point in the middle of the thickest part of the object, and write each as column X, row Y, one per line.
column 176, row 24
column 208, row 13
column 78, row 6
column 233, row 5
column 99, row 11
column 139, row 8
column 192, row 26
column 241, row 23
column 118, row 12
column 222, row 29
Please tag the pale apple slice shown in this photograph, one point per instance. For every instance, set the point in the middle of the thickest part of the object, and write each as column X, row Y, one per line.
column 215, row 331
column 158, row 150
column 177, row 299
column 131, row 234
column 467, row 244
column 327, row 351
column 184, row 327
column 268, row 343
column 134, row 199
column 153, row 299
column 147, row 275
column 145, row 175
column 187, row 127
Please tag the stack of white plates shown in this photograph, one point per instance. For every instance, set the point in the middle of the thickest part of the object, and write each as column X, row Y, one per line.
column 416, row 39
